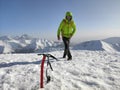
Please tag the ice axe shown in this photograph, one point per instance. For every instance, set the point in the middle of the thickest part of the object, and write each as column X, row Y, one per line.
column 42, row 68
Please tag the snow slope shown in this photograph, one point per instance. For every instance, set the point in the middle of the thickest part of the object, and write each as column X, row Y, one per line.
column 114, row 41
column 89, row 70
column 5, row 47
column 95, row 45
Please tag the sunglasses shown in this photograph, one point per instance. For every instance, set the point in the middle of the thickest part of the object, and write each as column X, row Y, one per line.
column 68, row 17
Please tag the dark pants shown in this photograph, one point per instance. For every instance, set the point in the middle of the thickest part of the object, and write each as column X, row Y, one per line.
column 66, row 49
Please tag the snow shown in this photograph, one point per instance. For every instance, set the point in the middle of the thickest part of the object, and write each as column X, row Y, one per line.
column 97, row 45
column 107, row 47
column 23, row 44
column 90, row 45
column 95, row 64
column 112, row 40
column 28, row 44
column 89, row 70
column 5, row 47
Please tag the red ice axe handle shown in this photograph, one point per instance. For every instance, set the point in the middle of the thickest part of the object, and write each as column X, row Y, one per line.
column 42, row 71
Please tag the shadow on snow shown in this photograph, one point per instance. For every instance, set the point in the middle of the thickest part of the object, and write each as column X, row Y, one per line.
column 2, row 65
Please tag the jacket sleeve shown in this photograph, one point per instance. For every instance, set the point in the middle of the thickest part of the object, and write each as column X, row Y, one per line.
column 60, row 28
column 74, row 29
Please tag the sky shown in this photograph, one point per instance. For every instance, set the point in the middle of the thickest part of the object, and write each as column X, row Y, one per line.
column 95, row 19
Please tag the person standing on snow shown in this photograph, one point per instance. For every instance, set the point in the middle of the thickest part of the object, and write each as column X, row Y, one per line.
column 66, row 29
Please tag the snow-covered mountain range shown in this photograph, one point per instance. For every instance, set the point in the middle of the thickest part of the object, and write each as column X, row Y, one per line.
column 96, row 45
column 109, row 44
column 27, row 44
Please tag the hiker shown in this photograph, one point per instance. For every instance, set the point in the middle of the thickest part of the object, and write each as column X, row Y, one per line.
column 66, row 29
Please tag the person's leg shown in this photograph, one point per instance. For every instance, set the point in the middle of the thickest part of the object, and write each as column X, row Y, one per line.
column 65, row 47
column 67, row 50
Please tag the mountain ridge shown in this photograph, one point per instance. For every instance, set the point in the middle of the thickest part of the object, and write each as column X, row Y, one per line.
column 28, row 44
column 23, row 44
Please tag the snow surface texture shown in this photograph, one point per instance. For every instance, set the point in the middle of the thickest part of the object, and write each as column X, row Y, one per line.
column 89, row 70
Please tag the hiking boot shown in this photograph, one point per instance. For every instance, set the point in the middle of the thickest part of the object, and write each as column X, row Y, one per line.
column 69, row 58
column 64, row 56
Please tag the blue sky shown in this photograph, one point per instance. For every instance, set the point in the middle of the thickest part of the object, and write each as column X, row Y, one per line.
column 40, row 18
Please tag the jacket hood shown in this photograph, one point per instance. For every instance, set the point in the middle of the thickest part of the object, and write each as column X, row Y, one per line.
column 68, row 14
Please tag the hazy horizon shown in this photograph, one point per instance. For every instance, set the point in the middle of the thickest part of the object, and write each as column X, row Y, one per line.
column 74, row 40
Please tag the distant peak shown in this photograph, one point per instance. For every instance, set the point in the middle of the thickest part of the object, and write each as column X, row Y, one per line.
column 112, row 40
column 4, row 38
column 25, row 36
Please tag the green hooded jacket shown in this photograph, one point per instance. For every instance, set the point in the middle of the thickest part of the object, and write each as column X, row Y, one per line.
column 67, row 28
